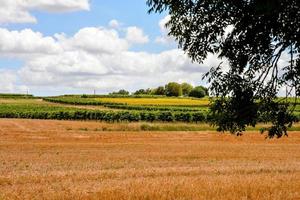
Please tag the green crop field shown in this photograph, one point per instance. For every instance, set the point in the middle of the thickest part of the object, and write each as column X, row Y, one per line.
column 39, row 109
column 109, row 109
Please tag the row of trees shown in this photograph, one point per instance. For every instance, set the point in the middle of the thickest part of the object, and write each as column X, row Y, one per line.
column 120, row 92
column 176, row 90
column 171, row 89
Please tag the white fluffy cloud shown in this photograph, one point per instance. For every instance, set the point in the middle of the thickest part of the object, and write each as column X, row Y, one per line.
column 56, row 5
column 136, row 35
column 18, row 11
column 8, row 82
column 95, row 40
column 26, row 42
column 93, row 58
column 164, row 38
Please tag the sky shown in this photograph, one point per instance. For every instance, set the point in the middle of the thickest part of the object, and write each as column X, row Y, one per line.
column 54, row 47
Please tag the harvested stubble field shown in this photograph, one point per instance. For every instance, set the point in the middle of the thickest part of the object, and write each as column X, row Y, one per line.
column 80, row 160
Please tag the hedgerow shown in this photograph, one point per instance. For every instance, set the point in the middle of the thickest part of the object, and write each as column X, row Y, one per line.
column 157, row 108
column 16, row 96
column 64, row 113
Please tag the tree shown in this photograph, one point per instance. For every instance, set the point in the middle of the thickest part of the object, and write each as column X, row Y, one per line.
column 149, row 91
column 139, row 92
column 198, row 92
column 253, row 36
column 160, row 90
column 173, row 89
column 204, row 89
column 143, row 92
column 120, row 92
column 186, row 89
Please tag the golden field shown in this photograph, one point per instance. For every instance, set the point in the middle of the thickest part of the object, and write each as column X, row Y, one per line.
column 81, row 160
column 157, row 101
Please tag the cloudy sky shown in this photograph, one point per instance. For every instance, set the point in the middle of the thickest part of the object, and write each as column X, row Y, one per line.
column 52, row 47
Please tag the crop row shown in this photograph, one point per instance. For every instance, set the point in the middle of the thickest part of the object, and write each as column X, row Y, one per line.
column 158, row 108
column 16, row 96
column 79, row 101
column 118, row 105
column 129, row 96
column 32, row 111
column 65, row 113
column 109, row 116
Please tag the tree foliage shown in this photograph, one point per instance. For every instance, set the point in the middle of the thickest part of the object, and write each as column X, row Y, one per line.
column 198, row 92
column 173, row 89
column 139, row 92
column 144, row 92
column 160, row 90
column 186, row 89
column 120, row 92
column 254, row 37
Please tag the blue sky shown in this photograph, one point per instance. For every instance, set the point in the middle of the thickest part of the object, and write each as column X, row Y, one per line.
column 129, row 13
column 73, row 46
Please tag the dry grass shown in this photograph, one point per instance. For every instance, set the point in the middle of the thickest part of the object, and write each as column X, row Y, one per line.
column 157, row 101
column 64, row 160
column 22, row 101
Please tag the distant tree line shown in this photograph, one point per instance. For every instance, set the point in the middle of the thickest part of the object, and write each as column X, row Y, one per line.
column 120, row 92
column 171, row 89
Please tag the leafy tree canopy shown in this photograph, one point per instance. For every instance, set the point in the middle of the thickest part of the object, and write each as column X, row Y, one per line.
column 186, row 89
column 120, row 92
column 253, row 36
column 198, row 92
column 142, row 91
column 139, row 92
column 173, row 89
column 160, row 90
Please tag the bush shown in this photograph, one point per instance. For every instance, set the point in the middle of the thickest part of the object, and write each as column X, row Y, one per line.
column 198, row 92
column 166, row 116
column 183, row 117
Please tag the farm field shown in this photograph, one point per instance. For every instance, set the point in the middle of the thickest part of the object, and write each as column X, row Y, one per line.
column 77, row 108
column 43, row 159
column 90, row 109
column 157, row 101
column 39, row 103
column 149, row 100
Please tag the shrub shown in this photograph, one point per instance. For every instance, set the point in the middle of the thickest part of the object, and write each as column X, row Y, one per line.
column 198, row 92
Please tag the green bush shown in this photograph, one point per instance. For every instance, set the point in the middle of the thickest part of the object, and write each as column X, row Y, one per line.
column 198, row 92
